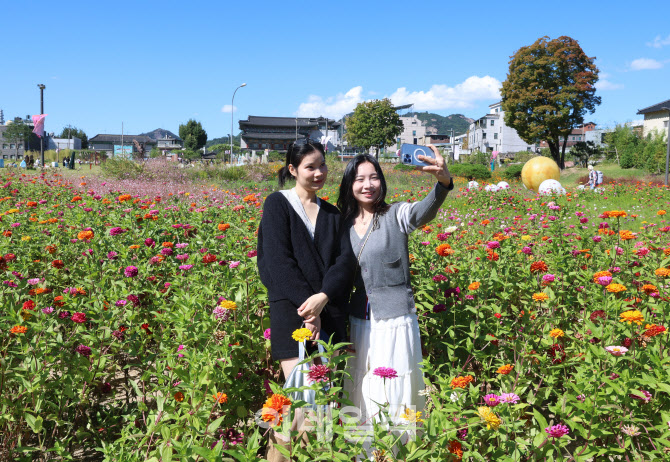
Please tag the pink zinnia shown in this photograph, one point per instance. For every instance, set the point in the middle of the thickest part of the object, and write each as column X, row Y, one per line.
column 385, row 372
column 548, row 278
column 646, row 396
column 116, row 231
column 604, row 280
column 492, row 400
column 83, row 350
column 557, row 431
column 266, row 334
column 318, row 373
column 493, row 245
column 130, row 271
column 509, row 398
column 616, row 350
column 185, row 267
column 234, row 264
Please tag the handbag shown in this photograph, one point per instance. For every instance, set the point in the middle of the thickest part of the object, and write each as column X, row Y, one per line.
column 298, row 378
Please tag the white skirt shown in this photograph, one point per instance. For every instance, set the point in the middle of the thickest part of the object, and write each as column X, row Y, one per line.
column 394, row 343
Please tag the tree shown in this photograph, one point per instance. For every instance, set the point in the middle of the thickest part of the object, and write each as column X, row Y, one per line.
column 74, row 132
column 193, row 135
column 18, row 133
column 584, row 151
column 548, row 90
column 373, row 123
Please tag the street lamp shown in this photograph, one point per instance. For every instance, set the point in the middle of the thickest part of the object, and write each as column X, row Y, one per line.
column 667, row 155
column 42, row 87
column 232, row 111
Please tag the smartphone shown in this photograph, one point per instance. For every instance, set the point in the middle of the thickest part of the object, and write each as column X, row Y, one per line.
column 409, row 154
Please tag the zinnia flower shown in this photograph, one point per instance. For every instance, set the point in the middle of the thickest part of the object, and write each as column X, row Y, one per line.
column 506, row 369
column 539, row 267
column 179, row 396
column 462, row 381
column 79, row 318
column 615, row 288
column 616, row 350
column 266, row 334
column 385, row 372
column 509, row 398
column 540, row 297
column 411, row 416
column 444, row 250
column 491, row 419
column 662, row 272
column 302, row 334
column 19, row 330
column 646, row 396
column 556, row 333
column 220, row 398
column 631, row 316
column 492, row 400
column 318, row 373
column 83, row 350
column 474, row 286
column 275, row 408
column 130, row 271
column 630, row 430
column 228, row 304
column 557, row 431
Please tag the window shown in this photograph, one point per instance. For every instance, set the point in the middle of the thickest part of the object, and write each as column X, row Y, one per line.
column 492, row 123
column 495, row 136
column 413, row 132
column 484, row 135
column 12, row 146
column 665, row 124
column 528, row 148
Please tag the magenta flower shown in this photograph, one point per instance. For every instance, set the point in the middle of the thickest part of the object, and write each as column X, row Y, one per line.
column 385, row 372
column 605, row 280
column 130, row 271
column 112, row 255
column 185, row 267
column 166, row 251
column 48, row 310
column 182, row 257
column 234, row 264
column 492, row 400
column 548, row 278
column 527, row 250
column 266, row 334
column 493, row 245
column 646, row 396
column 318, row 373
column 83, row 350
column 221, row 314
column 116, row 231
column 34, row 281
column 557, row 431
column 439, row 278
column 149, row 242
column 252, row 253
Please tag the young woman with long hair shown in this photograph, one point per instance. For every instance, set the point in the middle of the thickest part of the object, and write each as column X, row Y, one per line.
column 383, row 320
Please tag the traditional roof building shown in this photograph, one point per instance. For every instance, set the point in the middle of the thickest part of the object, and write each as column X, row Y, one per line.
column 277, row 133
column 656, row 118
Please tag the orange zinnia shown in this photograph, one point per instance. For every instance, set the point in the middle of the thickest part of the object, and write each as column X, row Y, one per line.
column 220, row 398
column 600, row 274
column 223, row 226
column 626, row 235
column 462, row 381
column 539, row 267
column 19, row 330
column 274, row 409
column 506, row 369
column 615, row 214
column 179, row 396
column 540, row 297
column 662, row 272
column 57, row 264
column 444, row 250
column 474, row 286
column 85, row 235
column 615, row 288
column 649, row 289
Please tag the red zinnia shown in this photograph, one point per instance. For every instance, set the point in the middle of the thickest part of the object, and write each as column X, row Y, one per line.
column 79, row 318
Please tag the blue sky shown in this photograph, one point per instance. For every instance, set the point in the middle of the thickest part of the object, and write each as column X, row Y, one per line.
column 157, row 64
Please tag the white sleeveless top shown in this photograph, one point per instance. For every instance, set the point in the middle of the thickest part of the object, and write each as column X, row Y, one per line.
column 294, row 200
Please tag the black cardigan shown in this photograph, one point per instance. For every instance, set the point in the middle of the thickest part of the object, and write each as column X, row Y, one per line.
column 292, row 266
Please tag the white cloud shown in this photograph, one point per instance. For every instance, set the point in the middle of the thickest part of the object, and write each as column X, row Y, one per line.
column 659, row 42
column 228, row 108
column 604, row 84
column 438, row 97
column 332, row 106
column 642, row 64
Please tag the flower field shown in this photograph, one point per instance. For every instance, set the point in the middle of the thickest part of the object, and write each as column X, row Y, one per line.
column 134, row 325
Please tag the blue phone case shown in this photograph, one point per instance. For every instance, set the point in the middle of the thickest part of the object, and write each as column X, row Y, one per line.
column 409, row 153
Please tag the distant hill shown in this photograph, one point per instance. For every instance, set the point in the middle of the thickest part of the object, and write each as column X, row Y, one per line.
column 159, row 134
column 223, row 140
column 436, row 123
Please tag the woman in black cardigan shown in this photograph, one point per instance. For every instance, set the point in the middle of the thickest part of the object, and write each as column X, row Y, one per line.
column 304, row 260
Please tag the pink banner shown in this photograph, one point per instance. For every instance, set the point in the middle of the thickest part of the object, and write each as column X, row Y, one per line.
column 38, row 120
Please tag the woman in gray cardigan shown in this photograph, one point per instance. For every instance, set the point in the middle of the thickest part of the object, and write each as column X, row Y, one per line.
column 384, row 325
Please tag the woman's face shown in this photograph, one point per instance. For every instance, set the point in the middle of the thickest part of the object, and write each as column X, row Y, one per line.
column 367, row 185
column 312, row 172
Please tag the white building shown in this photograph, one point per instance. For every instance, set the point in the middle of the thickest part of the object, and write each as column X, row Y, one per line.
column 413, row 132
column 656, row 118
column 489, row 133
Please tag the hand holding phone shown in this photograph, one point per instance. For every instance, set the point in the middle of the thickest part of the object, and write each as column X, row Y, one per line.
column 409, row 154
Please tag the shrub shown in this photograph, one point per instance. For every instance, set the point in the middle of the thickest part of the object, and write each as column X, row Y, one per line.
column 513, row 171
column 475, row 171
column 122, row 168
column 404, row 168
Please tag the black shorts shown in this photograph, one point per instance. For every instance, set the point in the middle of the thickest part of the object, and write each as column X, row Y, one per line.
column 284, row 319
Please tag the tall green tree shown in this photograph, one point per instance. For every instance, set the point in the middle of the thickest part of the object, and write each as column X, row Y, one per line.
column 373, row 124
column 18, row 133
column 74, row 132
column 193, row 135
column 549, row 88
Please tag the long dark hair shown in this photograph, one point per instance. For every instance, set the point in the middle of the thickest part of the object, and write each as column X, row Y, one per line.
column 347, row 202
column 295, row 154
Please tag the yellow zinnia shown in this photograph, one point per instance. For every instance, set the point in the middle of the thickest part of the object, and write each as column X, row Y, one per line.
column 556, row 333
column 228, row 304
column 491, row 419
column 302, row 334
column 411, row 416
